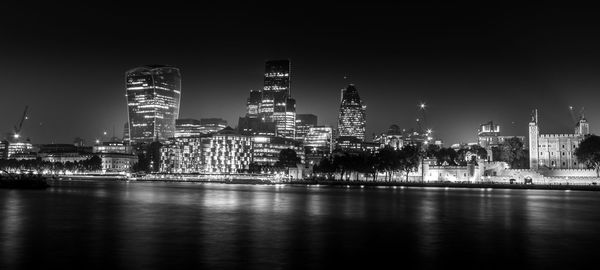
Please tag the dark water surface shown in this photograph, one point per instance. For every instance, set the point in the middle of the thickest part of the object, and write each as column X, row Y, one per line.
column 116, row 225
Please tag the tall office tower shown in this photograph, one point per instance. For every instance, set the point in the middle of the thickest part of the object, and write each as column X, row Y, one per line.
column 153, row 96
column 253, row 103
column 352, row 120
column 276, row 103
column 303, row 123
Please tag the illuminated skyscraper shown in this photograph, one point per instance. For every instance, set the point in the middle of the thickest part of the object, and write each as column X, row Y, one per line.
column 276, row 103
column 153, row 96
column 352, row 120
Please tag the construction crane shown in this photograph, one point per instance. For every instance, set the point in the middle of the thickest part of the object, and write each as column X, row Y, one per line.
column 17, row 129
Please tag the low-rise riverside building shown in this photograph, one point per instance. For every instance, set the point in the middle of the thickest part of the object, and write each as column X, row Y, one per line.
column 266, row 149
column 117, row 162
column 182, row 155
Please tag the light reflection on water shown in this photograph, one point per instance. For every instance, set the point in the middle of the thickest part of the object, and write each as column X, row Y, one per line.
column 158, row 225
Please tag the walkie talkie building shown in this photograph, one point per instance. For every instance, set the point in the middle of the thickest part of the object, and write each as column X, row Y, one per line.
column 153, row 97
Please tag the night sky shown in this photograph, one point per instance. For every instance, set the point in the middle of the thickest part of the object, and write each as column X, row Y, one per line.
column 469, row 65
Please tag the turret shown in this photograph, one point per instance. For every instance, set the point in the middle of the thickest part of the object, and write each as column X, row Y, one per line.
column 534, row 134
column 582, row 127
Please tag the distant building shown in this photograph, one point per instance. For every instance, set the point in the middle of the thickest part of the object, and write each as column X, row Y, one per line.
column 212, row 125
column 277, row 104
column 183, row 155
column 126, row 133
column 22, row 149
column 352, row 119
column 153, row 97
column 555, row 151
column 352, row 143
column 227, row 152
column 188, row 128
column 393, row 138
column 253, row 104
column 489, row 136
column 117, row 162
column 303, row 123
column 266, row 149
column 255, row 126
column 113, row 147
column 318, row 143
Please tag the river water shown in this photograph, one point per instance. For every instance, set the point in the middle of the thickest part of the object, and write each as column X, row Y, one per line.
column 118, row 225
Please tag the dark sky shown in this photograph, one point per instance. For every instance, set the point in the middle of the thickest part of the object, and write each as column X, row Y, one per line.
column 469, row 64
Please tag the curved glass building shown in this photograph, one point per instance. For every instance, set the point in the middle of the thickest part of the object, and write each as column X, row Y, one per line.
column 153, row 97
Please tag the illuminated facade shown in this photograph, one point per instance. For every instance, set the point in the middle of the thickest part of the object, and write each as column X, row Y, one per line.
column 187, row 128
column 266, row 149
column 153, row 97
column 18, row 148
column 212, row 125
column 227, row 152
column 303, row 124
column 182, row 155
column 113, row 147
column 3, row 149
column 117, row 162
column 318, row 143
column 555, row 151
column 276, row 103
column 352, row 119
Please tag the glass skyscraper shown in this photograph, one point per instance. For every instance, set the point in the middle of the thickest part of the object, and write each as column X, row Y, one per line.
column 153, row 96
column 352, row 120
column 276, row 103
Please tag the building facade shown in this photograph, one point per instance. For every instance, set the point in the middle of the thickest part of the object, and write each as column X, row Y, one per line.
column 227, row 152
column 352, row 119
column 153, row 98
column 555, row 151
column 182, row 155
column 303, row 124
column 277, row 104
column 187, row 128
column 266, row 149
column 212, row 125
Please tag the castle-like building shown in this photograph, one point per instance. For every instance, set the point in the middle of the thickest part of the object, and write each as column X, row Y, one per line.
column 555, row 151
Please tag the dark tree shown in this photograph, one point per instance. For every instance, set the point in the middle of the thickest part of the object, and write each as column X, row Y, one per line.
column 287, row 158
column 447, row 155
column 409, row 158
column 589, row 152
column 432, row 150
column 325, row 166
column 513, row 152
column 387, row 161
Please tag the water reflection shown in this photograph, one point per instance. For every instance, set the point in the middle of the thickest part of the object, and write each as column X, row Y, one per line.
column 158, row 225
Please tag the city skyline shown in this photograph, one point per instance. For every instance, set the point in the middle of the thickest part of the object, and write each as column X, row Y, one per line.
column 527, row 55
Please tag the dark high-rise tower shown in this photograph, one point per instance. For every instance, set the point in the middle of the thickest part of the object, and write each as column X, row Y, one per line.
column 352, row 120
column 153, row 96
column 276, row 103
column 252, row 106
